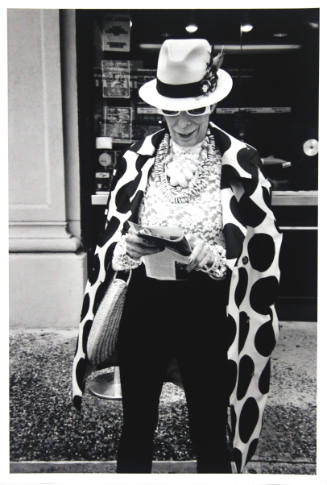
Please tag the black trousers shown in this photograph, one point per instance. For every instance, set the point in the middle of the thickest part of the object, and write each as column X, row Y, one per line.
column 185, row 320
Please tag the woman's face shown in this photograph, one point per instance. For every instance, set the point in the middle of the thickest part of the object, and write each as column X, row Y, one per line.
column 187, row 130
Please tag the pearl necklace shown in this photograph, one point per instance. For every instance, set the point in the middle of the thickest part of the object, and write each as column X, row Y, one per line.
column 182, row 176
column 182, row 165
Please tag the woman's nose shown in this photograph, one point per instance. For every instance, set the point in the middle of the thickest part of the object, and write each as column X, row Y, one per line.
column 183, row 119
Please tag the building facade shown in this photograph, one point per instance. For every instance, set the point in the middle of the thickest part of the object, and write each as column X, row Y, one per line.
column 47, row 261
column 56, row 70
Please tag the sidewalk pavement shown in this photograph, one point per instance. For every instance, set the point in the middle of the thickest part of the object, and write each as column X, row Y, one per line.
column 48, row 435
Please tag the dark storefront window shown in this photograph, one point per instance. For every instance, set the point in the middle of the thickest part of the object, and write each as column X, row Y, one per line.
column 273, row 106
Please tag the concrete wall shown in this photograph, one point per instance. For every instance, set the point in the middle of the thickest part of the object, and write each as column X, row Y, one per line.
column 47, row 265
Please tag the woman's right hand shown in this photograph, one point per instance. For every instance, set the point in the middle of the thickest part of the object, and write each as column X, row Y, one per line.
column 136, row 246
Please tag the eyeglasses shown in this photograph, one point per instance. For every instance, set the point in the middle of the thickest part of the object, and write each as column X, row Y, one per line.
column 192, row 112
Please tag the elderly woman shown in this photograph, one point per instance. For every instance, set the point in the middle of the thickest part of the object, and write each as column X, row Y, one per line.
column 216, row 315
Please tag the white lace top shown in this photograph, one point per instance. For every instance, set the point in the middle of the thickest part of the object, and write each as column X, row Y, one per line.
column 200, row 217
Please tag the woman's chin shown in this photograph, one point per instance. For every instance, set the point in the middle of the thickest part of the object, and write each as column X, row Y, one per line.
column 186, row 140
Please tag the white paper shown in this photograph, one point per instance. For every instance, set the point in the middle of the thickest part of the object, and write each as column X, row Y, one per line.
column 161, row 266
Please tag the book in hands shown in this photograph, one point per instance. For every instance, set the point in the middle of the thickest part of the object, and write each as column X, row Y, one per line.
column 169, row 237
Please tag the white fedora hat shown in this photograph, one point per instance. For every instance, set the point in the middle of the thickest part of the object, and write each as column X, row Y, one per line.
column 188, row 77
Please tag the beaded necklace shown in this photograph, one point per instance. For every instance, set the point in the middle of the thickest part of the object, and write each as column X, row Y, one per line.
column 180, row 185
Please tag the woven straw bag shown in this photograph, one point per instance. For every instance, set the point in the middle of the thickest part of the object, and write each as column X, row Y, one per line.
column 103, row 336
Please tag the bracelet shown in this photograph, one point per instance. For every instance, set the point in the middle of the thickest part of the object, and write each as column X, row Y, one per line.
column 216, row 270
column 121, row 260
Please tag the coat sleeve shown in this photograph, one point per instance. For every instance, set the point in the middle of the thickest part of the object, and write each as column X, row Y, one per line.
column 100, row 273
column 251, row 312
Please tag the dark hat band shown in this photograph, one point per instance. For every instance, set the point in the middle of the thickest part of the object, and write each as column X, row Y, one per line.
column 190, row 90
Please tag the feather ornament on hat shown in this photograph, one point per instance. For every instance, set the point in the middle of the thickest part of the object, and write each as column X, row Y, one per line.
column 209, row 82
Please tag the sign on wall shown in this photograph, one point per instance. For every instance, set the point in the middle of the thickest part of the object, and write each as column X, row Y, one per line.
column 116, row 33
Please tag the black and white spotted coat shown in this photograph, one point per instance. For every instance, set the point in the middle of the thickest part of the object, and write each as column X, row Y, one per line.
column 252, row 244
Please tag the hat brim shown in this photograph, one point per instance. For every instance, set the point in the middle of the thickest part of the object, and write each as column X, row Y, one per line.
column 148, row 92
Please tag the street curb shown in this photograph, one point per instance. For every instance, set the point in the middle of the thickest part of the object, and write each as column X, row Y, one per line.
column 295, row 467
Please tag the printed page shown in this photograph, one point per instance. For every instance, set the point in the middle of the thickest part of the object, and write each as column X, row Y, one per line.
column 161, row 266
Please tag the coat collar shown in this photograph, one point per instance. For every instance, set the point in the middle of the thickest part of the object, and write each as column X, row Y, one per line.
column 232, row 149
column 236, row 155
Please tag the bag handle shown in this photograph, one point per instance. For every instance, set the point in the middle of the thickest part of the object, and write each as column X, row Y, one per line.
column 124, row 275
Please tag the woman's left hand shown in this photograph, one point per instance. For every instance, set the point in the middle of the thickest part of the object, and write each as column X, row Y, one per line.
column 201, row 254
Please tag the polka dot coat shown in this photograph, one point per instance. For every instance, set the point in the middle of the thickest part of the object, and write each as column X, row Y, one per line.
column 252, row 245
